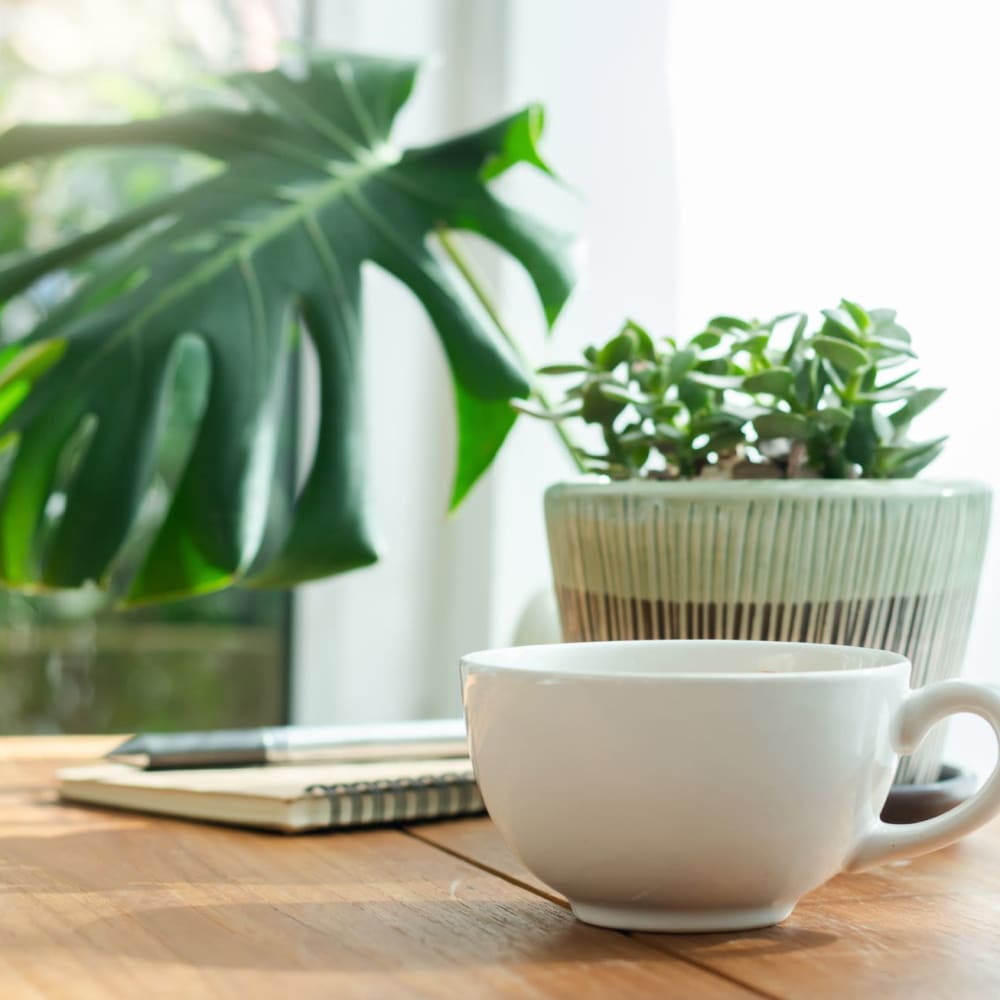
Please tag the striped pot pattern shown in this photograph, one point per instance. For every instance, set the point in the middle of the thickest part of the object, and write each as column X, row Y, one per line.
column 887, row 564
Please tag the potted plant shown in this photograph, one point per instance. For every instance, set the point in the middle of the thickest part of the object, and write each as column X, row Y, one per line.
column 757, row 482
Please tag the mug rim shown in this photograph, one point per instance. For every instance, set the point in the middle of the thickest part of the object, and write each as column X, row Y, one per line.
column 883, row 661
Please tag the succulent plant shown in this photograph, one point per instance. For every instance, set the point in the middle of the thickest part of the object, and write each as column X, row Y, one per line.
column 748, row 399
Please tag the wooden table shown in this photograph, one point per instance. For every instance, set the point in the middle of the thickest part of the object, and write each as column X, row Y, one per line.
column 95, row 903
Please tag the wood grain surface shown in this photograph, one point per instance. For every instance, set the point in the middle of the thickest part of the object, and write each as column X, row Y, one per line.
column 924, row 928
column 95, row 903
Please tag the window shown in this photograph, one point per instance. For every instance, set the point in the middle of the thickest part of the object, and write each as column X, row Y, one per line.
column 69, row 662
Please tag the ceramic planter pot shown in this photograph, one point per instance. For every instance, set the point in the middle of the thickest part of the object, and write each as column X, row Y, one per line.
column 888, row 564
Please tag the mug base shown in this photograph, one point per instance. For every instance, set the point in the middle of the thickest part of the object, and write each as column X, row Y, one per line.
column 637, row 918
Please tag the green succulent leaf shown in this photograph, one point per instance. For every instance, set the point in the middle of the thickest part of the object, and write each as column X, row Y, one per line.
column 645, row 349
column 882, row 426
column 721, row 441
column 833, row 416
column 845, row 355
column 863, row 438
column 755, row 345
column 706, row 340
column 669, row 432
column 885, row 325
column 794, row 343
column 861, row 319
column 727, row 323
column 680, row 363
column 310, row 189
column 892, row 395
column 906, row 461
column 840, row 324
column 625, row 394
column 882, row 317
column 781, row 425
column 565, row 369
column 891, row 346
column 917, row 401
column 899, row 380
column 712, row 381
column 597, row 407
column 666, row 411
column 774, row 381
column 617, row 350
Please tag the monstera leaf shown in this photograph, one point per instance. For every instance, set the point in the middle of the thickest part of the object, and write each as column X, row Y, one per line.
column 235, row 270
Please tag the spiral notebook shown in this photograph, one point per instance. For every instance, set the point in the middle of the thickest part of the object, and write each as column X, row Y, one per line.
column 292, row 798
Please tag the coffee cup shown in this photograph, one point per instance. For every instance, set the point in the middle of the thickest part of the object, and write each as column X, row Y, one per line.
column 695, row 786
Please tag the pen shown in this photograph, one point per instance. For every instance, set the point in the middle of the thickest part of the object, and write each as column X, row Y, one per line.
column 426, row 738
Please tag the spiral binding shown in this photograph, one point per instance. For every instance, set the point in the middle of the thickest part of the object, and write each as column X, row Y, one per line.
column 366, row 803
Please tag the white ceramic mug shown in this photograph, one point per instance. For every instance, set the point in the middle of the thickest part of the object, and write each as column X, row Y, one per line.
column 704, row 785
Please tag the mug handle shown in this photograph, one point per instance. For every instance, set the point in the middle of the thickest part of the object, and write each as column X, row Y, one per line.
column 922, row 708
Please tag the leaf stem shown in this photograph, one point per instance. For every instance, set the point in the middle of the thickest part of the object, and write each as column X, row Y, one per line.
column 538, row 393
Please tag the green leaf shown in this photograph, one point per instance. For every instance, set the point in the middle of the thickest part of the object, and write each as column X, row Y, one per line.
column 694, row 396
column 754, row 345
column 727, row 323
column 598, row 408
column 846, row 356
column 616, row 351
column 889, row 347
column 567, row 369
column 862, row 439
column 839, row 324
column 918, row 400
column 899, row 380
column 531, row 409
column 706, row 340
column 861, row 319
column 885, row 324
column 17, row 274
column 895, row 395
column 29, row 363
column 310, row 189
column 793, row 345
column 666, row 412
column 711, row 423
column 774, row 381
column 882, row 426
column 624, row 394
column 906, row 462
column 680, row 363
column 832, row 416
column 644, row 347
column 710, row 381
column 14, row 220
column 829, row 374
column 781, row 425
column 882, row 317
column 723, row 440
column 669, row 433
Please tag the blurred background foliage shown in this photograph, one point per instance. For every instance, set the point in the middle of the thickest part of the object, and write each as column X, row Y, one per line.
column 69, row 662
